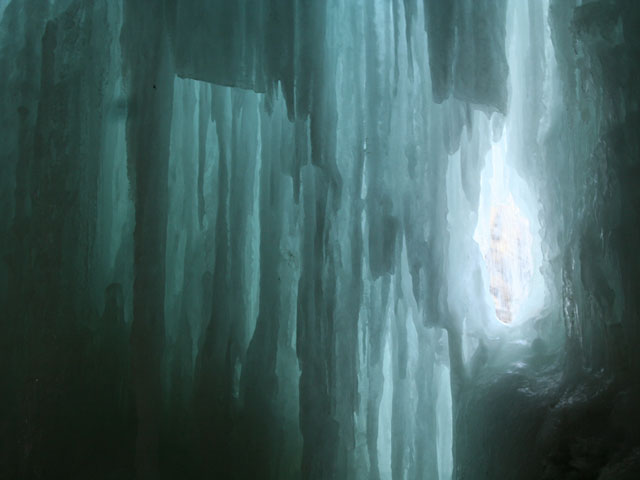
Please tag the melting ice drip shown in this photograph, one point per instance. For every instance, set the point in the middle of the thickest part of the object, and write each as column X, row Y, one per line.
column 505, row 240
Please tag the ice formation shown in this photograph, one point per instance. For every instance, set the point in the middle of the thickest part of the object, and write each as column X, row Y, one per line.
column 341, row 239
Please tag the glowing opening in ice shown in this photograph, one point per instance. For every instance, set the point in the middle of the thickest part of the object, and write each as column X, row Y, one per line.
column 508, row 258
column 504, row 234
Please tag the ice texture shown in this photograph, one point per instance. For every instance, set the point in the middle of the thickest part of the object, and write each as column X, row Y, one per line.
column 248, row 239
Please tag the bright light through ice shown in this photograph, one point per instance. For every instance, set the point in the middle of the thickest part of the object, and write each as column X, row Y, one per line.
column 505, row 240
column 508, row 259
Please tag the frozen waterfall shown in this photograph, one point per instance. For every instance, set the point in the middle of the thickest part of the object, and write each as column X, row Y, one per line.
column 319, row 239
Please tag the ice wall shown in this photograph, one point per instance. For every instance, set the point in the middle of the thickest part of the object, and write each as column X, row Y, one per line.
column 238, row 238
column 552, row 390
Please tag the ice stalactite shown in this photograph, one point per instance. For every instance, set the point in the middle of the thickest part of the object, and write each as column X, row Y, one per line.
column 148, row 71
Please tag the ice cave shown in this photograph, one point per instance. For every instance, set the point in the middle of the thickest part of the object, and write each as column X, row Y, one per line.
column 320, row 239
